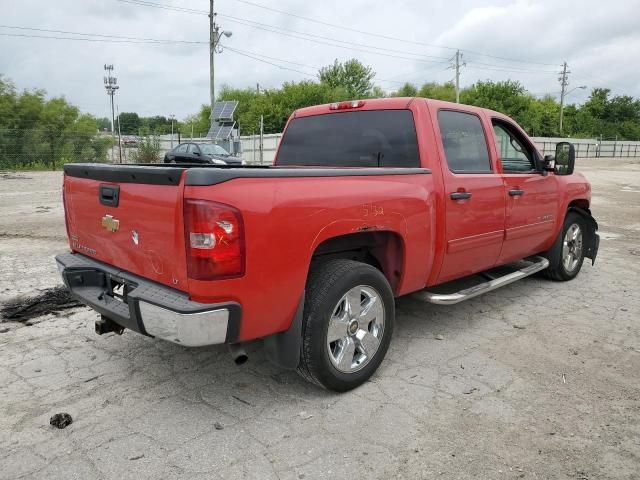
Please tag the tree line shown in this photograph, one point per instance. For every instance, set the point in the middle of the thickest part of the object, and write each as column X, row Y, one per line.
column 602, row 114
column 36, row 132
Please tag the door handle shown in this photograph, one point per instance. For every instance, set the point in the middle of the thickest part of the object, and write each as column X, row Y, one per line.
column 516, row 192
column 460, row 195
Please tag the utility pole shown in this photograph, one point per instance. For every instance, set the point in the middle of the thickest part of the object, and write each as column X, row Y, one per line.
column 213, row 34
column 214, row 40
column 111, row 85
column 564, row 82
column 457, row 66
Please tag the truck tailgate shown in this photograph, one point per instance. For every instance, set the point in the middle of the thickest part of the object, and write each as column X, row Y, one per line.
column 134, row 223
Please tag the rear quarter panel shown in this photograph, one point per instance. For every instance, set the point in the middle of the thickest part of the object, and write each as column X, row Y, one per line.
column 285, row 220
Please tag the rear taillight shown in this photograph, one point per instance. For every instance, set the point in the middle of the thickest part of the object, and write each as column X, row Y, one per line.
column 214, row 237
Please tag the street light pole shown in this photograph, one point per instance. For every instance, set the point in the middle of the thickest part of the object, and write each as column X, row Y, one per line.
column 111, row 85
column 564, row 95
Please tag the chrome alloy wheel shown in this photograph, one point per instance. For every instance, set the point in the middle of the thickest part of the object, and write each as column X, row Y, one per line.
column 355, row 329
column 572, row 248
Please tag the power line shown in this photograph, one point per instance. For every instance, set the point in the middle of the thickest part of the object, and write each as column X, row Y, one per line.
column 272, row 58
column 510, row 68
column 473, row 67
column 259, row 25
column 100, row 35
column 310, row 37
column 238, row 52
column 403, row 52
column 100, row 40
column 386, row 37
column 337, row 45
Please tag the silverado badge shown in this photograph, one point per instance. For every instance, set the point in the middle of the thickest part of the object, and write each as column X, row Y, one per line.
column 110, row 223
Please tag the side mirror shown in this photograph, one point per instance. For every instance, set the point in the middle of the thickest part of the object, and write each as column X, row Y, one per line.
column 565, row 159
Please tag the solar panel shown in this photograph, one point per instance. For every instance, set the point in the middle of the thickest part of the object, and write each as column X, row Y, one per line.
column 221, row 131
column 224, row 110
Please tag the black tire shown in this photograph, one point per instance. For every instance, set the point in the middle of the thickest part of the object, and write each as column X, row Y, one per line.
column 558, row 270
column 327, row 284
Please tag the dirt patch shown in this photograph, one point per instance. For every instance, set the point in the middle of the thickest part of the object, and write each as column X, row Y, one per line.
column 23, row 308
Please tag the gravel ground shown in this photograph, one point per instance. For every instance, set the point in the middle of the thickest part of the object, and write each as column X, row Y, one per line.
column 536, row 380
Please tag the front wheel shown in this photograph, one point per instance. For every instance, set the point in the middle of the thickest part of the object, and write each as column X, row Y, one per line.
column 348, row 322
column 568, row 251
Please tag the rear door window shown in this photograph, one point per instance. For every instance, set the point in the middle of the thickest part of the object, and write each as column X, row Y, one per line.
column 376, row 138
column 465, row 145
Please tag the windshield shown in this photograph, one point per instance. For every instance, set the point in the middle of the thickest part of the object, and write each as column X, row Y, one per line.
column 211, row 149
column 375, row 138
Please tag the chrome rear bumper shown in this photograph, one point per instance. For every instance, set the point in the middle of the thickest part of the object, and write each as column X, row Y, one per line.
column 147, row 307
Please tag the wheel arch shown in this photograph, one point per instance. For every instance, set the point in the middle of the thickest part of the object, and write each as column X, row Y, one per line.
column 592, row 240
column 382, row 249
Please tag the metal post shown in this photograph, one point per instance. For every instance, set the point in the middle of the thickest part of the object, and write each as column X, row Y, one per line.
column 113, row 131
column 119, row 135
column 261, row 139
column 172, row 117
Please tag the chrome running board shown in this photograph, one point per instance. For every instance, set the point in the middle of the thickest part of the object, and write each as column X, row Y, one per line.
column 539, row 263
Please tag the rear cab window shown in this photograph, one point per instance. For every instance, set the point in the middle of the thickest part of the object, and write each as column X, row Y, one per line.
column 373, row 138
column 464, row 142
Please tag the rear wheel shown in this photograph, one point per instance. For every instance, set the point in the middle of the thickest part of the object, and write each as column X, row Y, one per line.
column 569, row 250
column 348, row 323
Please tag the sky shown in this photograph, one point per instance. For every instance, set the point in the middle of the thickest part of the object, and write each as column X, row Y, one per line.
column 287, row 40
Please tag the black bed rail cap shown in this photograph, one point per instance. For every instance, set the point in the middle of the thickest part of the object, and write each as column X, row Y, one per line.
column 153, row 174
column 213, row 176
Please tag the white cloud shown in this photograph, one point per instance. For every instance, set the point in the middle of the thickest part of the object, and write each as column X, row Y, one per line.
column 599, row 40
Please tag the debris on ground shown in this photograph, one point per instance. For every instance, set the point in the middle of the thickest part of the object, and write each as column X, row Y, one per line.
column 61, row 420
column 13, row 176
column 470, row 391
column 439, row 337
column 218, row 426
column 519, row 327
column 137, row 457
column 4, row 330
column 23, row 308
column 241, row 400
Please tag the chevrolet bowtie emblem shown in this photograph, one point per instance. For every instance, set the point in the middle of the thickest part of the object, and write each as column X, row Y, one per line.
column 110, row 223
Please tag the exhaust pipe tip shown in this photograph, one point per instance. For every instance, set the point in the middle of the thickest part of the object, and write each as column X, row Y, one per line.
column 238, row 354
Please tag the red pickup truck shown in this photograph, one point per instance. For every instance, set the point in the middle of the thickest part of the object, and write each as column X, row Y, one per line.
column 368, row 200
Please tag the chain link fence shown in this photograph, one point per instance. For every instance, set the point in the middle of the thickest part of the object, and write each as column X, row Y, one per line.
column 50, row 149
column 591, row 147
